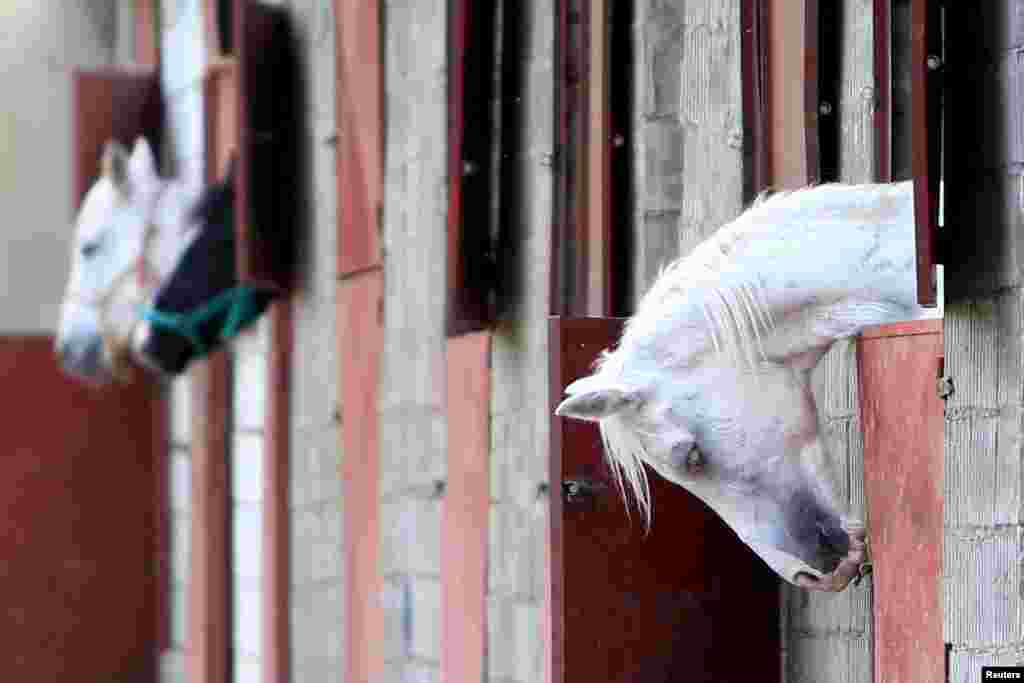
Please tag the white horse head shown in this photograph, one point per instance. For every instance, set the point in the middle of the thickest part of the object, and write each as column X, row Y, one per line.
column 710, row 382
column 129, row 234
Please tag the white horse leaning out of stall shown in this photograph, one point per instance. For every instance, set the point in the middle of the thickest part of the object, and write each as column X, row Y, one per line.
column 710, row 382
column 131, row 230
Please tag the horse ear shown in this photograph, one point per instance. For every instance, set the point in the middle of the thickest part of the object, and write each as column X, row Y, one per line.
column 589, row 401
column 114, row 164
column 142, row 164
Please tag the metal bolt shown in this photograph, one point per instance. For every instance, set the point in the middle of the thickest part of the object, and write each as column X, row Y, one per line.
column 735, row 139
column 945, row 387
column 825, row 108
column 468, row 168
column 618, row 140
column 934, row 62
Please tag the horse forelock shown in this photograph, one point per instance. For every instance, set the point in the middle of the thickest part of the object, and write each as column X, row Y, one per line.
column 625, row 454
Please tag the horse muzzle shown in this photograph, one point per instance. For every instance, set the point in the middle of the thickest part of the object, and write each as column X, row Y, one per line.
column 86, row 359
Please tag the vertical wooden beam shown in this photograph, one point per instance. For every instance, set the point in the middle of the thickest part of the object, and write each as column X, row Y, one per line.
column 209, row 598
column 883, row 89
column 276, row 486
column 360, row 331
column 147, row 40
column 360, row 340
column 359, row 111
column 925, row 113
column 209, row 635
column 903, row 452
column 792, row 92
column 754, row 65
column 466, row 511
column 597, row 156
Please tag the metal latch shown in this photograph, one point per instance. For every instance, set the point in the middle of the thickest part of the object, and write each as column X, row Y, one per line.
column 945, row 387
column 580, row 490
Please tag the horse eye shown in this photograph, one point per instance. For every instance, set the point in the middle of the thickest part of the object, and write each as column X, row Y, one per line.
column 90, row 248
column 694, row 461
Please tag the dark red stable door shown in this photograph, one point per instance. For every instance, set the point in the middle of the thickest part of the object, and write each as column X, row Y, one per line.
column 688, row 602
column 78, row 561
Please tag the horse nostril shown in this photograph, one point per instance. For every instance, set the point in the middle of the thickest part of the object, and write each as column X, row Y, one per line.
column 834, row 538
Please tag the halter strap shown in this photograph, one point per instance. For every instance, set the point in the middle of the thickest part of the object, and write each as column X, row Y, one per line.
column 239, row 301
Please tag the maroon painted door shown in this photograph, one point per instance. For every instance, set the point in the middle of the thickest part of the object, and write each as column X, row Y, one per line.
column 687, row 602
column 903, row 481
column 78, row 552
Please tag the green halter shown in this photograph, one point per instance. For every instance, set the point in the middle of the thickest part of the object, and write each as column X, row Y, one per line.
column 240, row 302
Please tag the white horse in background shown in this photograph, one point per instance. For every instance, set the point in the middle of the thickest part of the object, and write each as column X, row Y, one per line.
column 131, row 230
column 710, row 382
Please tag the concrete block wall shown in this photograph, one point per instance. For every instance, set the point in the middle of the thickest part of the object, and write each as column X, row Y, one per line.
column 984, row 344
column 413, row 428
column 316, row 493
column 172, row 660
column 520, row 417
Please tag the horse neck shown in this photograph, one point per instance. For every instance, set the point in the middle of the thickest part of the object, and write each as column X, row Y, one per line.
column 794, row 272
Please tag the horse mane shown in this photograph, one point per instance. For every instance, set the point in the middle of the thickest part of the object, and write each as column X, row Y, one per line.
column 704, row 299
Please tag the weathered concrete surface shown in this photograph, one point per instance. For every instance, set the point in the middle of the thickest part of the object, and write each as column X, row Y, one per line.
column 519, row 380
column 413, row 429
column 984, row 346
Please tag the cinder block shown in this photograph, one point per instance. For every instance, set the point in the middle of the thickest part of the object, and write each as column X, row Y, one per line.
column 397, row 610
column 663, row 168
column 981, row 585
column 410, row 535
column 181, row 412
column 501, row 633
column 247, row 625
column 317, row 543
column 516, row 559
column 247, row 542
column 315, row 373
column 530, row 649
column 181, row 548
column 316, row 459
column 982, row 486
column 247, row 668
column 965, row 664
column 829, row 657
column 172, row 666
column 426, row 619
column 318, row 627
column 247, row 467
column 181, row 480
column 179, row 616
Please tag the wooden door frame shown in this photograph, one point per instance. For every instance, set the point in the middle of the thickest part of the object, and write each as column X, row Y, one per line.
column 359, row 325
